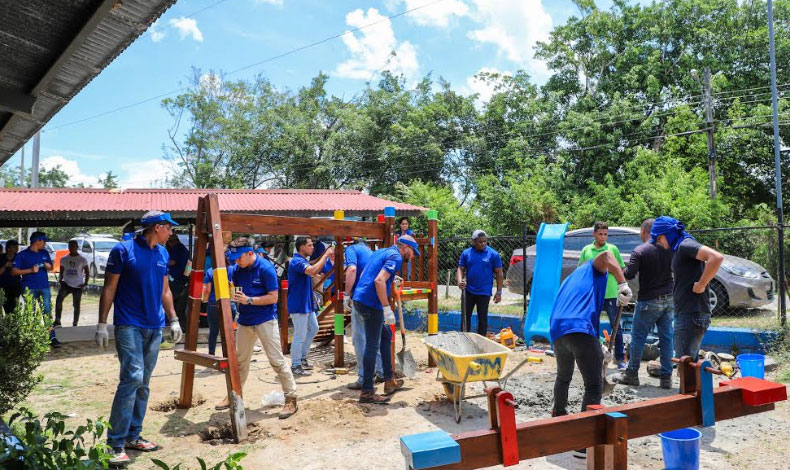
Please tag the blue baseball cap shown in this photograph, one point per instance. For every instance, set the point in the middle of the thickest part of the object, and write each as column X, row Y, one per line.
column 235, row 252
column 411, row 243
column 157, row 217
column 38, row 236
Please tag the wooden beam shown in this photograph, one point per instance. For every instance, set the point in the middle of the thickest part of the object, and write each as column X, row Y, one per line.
column 16, row 101
column 202, row 359
column 278, row 225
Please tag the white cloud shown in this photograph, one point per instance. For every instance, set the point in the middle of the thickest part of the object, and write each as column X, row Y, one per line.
column 514, row 27
column 156, row 34
column 71, row 168
column 210, row 82
column 484, row 88
column 278, row 3
column 435, row 14
column 375, row 48
column 145, row 174
column 187, row 27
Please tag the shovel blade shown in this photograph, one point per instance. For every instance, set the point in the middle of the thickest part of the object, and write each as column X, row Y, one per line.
column 407, row 364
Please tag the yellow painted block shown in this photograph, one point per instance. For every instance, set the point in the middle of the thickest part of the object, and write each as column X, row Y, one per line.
column 340, row 215
column 221, row 285
column 433, row 323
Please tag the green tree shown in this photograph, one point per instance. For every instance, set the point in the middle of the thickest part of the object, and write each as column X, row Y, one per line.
column 109, row 181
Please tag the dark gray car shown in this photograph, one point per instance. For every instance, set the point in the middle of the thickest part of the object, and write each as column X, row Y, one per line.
column 740, row 283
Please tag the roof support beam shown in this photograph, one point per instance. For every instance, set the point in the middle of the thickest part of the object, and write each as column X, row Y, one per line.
column 16, row 101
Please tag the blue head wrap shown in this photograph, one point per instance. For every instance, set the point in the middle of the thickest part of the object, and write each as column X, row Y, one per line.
column 673, row 229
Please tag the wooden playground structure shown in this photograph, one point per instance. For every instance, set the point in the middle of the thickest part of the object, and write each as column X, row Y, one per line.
column 214, row 229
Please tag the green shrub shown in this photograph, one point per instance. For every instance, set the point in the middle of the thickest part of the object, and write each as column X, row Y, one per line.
column 24, row 340
column 49, row 445
column 230, row 463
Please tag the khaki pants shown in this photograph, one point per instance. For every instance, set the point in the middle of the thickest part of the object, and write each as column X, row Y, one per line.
column 269, row 334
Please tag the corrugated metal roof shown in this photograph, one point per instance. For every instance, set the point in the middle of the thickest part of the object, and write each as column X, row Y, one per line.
column 48, row 204
column 50, row 50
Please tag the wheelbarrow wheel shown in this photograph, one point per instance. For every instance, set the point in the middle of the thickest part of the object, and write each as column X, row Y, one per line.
column 458, row 402
column 451, row 391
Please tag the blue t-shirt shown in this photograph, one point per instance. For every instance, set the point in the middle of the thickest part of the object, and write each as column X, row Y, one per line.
column 388, row 259
column 408, row 232
column 318, row 249
column 6, row 279
column 180, row 254
column 142, row 270
column 300, row 286
column 480, row 266
column 357, row 255
column 577, row 308
column 255, row 281
column 328, row 267
column 28, row 258
column 208, row 278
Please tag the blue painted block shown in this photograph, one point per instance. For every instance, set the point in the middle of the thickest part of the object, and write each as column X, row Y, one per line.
column 616, row 415
column 429, row 449
column 706, row 396
column 389, row 212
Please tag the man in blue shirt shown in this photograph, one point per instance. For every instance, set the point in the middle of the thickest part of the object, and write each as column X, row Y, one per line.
column 136, row 286
column 480, row 263
column 354, row 262
column 371, row 300
column 575, row 325
column 179, row 257
column 256, row 292
column 32, row 264
column 301, row 303
column 10, row 284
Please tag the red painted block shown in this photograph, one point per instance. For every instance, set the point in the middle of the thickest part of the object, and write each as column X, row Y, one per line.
column 758, row 392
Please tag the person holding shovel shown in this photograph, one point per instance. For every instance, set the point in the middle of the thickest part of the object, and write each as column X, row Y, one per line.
column 575, row 326
column 477, row 267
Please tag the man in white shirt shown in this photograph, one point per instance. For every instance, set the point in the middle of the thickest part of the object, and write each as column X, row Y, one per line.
column 74, row 275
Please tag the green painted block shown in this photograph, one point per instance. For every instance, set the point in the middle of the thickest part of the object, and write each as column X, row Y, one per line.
column 433, row 215
column 340, row 324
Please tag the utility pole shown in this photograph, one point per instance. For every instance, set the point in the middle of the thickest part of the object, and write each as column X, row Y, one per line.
column 709, row 125
column 778, row 165
column 21, row 185
column 34, row 170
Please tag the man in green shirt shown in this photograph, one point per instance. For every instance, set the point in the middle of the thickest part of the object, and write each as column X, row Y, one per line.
column 601, row 234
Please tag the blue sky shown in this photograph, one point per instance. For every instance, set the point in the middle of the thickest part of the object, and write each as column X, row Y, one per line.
column 450, row 38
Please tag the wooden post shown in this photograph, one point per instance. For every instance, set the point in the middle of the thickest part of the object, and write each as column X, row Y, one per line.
column 286, row 345
column 339, row 312
column 190, row 342
column 433, row 273
column 389, row 240
column 222, row 293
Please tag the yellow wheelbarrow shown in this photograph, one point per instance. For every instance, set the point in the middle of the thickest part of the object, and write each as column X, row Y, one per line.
column 467, row 357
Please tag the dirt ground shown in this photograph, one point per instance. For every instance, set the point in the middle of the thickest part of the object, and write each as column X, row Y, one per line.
column 333, row 431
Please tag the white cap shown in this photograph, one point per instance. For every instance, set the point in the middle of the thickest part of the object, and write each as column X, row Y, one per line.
column 478, row 233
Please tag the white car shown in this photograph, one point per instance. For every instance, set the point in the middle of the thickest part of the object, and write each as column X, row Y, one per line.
column 96, row 249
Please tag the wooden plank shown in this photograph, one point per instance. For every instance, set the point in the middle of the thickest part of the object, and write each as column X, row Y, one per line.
column 202, row 359
column 551, row 436
column 339, row 283
column 190, row 342
column 278, row 225
column 432, row 251
column 417, row 285
column 283, row 317
column 232, row 377
column 617, row 440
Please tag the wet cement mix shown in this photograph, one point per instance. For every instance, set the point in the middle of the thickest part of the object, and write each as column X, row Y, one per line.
column 454, row 342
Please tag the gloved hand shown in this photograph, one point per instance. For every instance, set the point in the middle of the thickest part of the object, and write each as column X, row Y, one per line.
column 102, row 338
column 347, row 303
column 389, row 316
column 624, row 294
column 175, row 331
column 397, row 281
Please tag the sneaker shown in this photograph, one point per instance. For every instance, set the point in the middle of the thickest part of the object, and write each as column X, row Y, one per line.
column 119, row 458
column 289, row 408
column 306, row 365
column 580, row 453
column 257, row 348
column 666, row 381
column 298, row 371
column 622, row 365
column 166, row 345
column 627, row 378
column 55, row 343
column 392, row 386
column 354, row 386
column 371, row 397
column 56, row 325
column 222, row 405
column 142, row 445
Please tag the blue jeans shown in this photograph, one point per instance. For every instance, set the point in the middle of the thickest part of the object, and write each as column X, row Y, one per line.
column 138, row 349
column 358, row 340
column 212, row 314
column 378, row 338
column 44, row 296
column 305, row 329
column 690, row 328
column 658, row 312
column 610, row 307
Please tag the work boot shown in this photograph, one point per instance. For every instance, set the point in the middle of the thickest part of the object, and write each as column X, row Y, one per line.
column 306, row 365
column 666, row 381
column 371, row 397
column 222, row 405
column 393, row 385
column 355, row 385
column 627, row 378
column 289, row 408
column 299, row 371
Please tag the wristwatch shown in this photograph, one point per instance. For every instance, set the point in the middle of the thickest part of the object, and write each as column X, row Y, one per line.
column 499, row 292
column 249, row 300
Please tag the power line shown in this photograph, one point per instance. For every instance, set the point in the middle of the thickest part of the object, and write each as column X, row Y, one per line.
column 153, row 31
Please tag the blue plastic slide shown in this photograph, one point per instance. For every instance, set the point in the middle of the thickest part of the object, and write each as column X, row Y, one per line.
column 545, row 280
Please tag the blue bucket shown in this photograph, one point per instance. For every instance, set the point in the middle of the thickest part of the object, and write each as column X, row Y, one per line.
column 681, row 449
column 752, row 365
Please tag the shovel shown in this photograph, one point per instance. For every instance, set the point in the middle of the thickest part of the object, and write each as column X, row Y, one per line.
column 607, row 355
column 404, row 357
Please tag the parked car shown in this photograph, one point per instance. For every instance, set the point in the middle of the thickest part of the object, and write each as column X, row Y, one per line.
column 57, row 250
column 96, row 248
column 740, row 283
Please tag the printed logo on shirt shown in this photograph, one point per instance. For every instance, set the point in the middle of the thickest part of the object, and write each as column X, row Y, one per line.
column 161, row 264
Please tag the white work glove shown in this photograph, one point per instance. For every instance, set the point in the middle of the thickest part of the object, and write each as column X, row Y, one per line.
column 347, row 303
column 102, row 338
column 389, row 316
column 175, row 331
column 624, row 294
column 397, row 281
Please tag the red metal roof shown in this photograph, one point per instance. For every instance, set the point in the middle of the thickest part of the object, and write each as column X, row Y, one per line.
column 268, row 200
